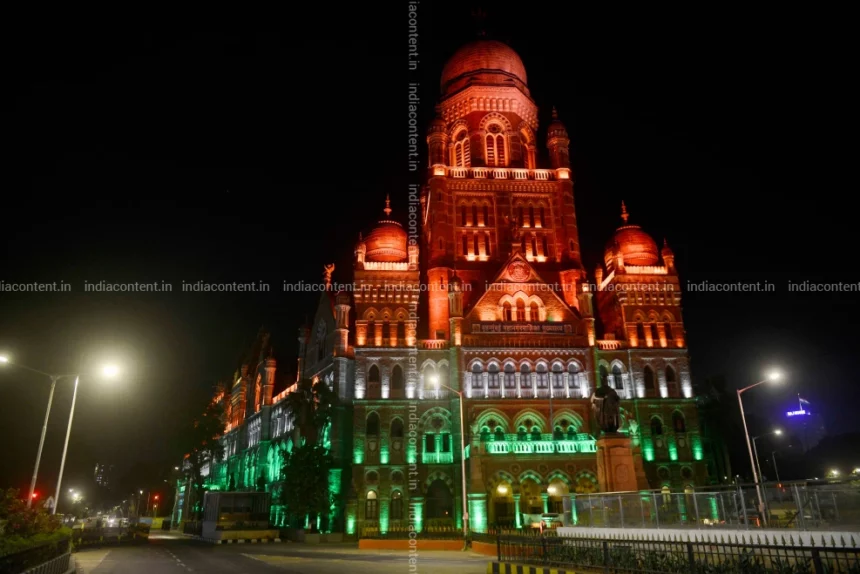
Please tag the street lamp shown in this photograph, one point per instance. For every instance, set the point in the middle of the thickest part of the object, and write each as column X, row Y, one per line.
column 755, row 448
column 437, row 383
column 108, row 371
column 54, row 379
column 773, row 376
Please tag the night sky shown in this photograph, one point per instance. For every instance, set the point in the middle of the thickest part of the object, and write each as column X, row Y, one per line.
column 224, row 153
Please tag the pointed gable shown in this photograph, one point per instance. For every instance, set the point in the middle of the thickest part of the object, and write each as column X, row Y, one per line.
column 520, row 301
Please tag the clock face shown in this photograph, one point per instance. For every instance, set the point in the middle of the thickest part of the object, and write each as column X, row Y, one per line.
column 518, row 271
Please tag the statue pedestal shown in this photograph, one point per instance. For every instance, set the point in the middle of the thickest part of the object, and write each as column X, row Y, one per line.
column 618, row 469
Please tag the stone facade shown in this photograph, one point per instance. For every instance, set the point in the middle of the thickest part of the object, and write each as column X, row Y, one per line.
column 512, row 324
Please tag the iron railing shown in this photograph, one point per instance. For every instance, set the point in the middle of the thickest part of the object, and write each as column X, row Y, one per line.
column 795, row 506
column 616, row 556
column 49, row 554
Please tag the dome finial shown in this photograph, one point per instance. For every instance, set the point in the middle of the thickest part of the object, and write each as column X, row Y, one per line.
column 387, row 209
column 554, row 113
column 624, row 214
column 480, row 17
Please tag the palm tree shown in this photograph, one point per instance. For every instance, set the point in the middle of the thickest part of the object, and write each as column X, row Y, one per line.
column 310, row 408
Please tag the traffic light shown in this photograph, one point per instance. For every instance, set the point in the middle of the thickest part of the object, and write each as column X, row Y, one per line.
column 156, row 497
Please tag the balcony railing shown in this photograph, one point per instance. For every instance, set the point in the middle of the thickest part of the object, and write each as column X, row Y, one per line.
column 583, row 443
column 513, row 173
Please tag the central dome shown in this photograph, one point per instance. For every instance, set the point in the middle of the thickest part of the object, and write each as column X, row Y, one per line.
column 387, row 241
column 488, row 61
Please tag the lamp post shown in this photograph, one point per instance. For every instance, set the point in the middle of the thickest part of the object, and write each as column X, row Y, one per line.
column 775, row 469
column 54, row 379
column 773, row 376
column 755, row 449
column 108, row 371
column 438, row 384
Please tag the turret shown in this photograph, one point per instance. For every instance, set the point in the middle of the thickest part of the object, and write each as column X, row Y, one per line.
column 668, row 257
column 437, row 143
column 269, row 380
column 558, row 144
column 455, row 309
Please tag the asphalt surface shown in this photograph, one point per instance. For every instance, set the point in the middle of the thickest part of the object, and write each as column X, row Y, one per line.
column 176, row 554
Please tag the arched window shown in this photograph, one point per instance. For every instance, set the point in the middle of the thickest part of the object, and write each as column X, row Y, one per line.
column 521, row 310
column 462, row 151
column 475, row 244
column 617, row 377
column 669, row 335
column 487, row 245
column 534, row 311
column 371, row 507
column 573, row 376
column 541, row 220
column 531, row 216
column 373, row 374
column 401, row 332
column 507, row 312
column 475, row 214
column 640, row 333
column 534, row 246
column 397, row 428
column 495, row 140
column 510, row 377
column 545, row 246
column 493, row 376
column 396, row 510
column 486, row 215
column 372, row 425
column 477, row 377
column 521, row 222
column 651, row 389
column 678, row 422
column 671, row 381
column 557, row 377
column 485, row 434
column 499, row 434
column 542, row 377
column 604, row 376
column 463, row 221
column 525, row 378
column 656, row 426
column 465, row 245
column 397, row 380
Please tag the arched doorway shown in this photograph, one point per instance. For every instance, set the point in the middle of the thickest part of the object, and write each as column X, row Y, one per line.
column 439, row 501
column 557, row 491
column 504, row 513
column 531, row 501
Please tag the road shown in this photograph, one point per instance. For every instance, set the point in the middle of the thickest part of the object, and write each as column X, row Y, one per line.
column 175, row 554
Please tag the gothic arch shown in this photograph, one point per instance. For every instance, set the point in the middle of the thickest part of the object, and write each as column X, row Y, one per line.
column 510, row 362
column 471, row 364
column 529, row 413
column 570, row 415
column 618, row 363
column 557, row 363
column 401, row 314
column 526, row 362
column 430, row 363
column 490, row 414
column 371, row 314
column 525, row 130
column 639, row 316
column 495, row 118
column 439, row 475
column 667, row 317
column 540, row 361
column 652, row 316
column 499, row 477
column 460, row 124
column 430, row 414
column 530, row 474
column 579, row 367
column 558, row 474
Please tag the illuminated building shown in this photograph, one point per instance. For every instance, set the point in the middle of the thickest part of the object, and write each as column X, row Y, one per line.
column 103, row 475
column 805, row 427
column 510, row 318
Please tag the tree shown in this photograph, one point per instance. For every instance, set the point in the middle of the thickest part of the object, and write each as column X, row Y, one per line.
column 204, row 447
column 24, row 522
column 310, row 407
column 305, row 489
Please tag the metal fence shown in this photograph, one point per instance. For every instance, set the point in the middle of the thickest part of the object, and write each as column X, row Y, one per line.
column 45, row 559
column 795, row 506
column 616, row 556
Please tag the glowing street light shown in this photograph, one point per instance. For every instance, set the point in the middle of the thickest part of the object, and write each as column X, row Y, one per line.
column 772, row 376
column 437, row 383
column 755, row 448
column 110, row 371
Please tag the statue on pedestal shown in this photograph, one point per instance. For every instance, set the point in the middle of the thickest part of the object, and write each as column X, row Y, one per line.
column 606, row 404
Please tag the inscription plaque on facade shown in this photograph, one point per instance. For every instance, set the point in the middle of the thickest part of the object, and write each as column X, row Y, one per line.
column 518, row 327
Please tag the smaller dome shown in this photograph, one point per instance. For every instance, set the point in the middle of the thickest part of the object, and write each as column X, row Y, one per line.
column 438, row 124
column 387, row 241
column 666, row 251
column 556, row 128
column 636, row 246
